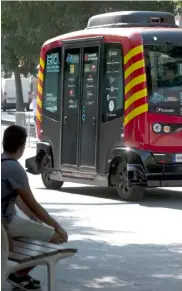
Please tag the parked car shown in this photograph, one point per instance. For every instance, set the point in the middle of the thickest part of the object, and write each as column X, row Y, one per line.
column 8, row 93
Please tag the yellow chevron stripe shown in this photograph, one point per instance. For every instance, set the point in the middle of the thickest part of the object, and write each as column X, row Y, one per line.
column 136, row 96
column 41, row 77
column 39, row 102
column 134, row 67
column 135, row 112
column 42, row 63
column 39, row 88
column 38, row 116
column 133, row 52
column 134, row 82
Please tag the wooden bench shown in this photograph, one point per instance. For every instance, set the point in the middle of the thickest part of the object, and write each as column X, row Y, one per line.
column 29, row 253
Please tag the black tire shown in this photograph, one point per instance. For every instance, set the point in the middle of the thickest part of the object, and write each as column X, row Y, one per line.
column 124, row 191
column 48, row 183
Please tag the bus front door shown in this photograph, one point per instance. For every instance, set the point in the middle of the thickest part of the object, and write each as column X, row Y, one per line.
column 80, row 106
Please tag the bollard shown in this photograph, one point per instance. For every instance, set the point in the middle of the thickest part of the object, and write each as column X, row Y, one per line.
column 28, row 129
column 24, row 119
column 20, row 119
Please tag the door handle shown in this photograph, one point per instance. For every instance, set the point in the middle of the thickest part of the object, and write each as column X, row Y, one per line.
column 65, row 119
column 94, row 120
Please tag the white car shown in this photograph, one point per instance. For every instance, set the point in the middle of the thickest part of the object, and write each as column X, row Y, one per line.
column 8, row 93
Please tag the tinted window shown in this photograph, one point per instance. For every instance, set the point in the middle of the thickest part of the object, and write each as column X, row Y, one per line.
column 90, row 82
column 71, row 78
column 113, row 90
column 52, row 83
column 90, row 78
column 164, row 78
column 70, row 105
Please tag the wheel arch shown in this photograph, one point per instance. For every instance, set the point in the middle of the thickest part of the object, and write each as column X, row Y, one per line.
column 43, row 148
column 34, row 165
column 130, row 156
column 46, row 167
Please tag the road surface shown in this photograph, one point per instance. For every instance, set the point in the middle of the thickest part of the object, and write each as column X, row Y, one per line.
column 121, row 246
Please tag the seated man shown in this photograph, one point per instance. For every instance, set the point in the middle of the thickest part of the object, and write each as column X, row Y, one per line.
column 15, row 189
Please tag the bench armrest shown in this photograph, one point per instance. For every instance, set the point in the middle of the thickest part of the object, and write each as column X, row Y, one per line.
column 4, row 251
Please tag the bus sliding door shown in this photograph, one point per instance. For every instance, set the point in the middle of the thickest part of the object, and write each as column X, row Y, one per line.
column 89, row 105
column 80, row 106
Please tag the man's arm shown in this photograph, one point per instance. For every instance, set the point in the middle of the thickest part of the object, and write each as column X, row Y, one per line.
column 23, row 207
column 18, row 180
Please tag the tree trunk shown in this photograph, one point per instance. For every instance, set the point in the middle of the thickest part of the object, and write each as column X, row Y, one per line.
column 20, row 115
column 19, row 93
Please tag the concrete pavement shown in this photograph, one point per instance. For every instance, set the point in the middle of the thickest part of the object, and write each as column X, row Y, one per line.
column 9, row 118
column 122, row 246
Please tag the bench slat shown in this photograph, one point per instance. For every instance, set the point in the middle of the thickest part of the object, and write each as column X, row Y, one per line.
column 40, row 243
column 69, row 250
column 25, row 250
column 19, row 258
column 31, row 254
column 48, row 245
column 33, row 247
column 22, row 258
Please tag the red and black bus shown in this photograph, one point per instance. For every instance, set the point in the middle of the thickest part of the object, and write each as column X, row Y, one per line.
column 109, row 105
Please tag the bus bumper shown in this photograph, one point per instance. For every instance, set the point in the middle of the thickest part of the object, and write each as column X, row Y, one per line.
column 155, row 172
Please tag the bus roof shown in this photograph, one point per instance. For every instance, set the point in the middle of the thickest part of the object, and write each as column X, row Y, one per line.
column 120, row 32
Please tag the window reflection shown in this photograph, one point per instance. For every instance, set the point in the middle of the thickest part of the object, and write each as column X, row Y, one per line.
column 164, row 78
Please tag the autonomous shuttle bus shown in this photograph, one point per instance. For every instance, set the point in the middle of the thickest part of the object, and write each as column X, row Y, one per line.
column 109, row 105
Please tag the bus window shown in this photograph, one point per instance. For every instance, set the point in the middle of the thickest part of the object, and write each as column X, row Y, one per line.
column 51, row 84
column 70, row 106
column 113, row 90
column 90, row 82
column 165, row 85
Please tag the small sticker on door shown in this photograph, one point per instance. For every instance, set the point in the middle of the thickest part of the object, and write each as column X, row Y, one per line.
column 83, row 117
column 111, row 105
column 72, row 69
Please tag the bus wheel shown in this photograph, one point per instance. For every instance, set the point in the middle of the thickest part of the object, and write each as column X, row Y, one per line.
column 126, row 192
column 48, row 183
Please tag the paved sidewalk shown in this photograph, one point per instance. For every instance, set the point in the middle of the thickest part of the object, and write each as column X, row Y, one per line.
column 9, row 118
column 121, row 246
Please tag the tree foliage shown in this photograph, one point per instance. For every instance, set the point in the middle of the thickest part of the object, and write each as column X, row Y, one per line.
column 27, row 24
column 179, row 5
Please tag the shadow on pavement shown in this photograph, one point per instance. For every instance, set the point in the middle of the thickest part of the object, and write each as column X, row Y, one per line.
column 107, row 265
column 127, row 267
column 153, row 198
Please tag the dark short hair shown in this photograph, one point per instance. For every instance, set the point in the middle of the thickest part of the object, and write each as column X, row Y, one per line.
column 14, row 138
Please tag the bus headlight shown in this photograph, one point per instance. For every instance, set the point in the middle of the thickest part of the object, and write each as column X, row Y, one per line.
column 167, row 129
column 157, row 127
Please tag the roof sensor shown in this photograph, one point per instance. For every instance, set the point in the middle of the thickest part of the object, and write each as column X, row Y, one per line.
column 132, row 19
